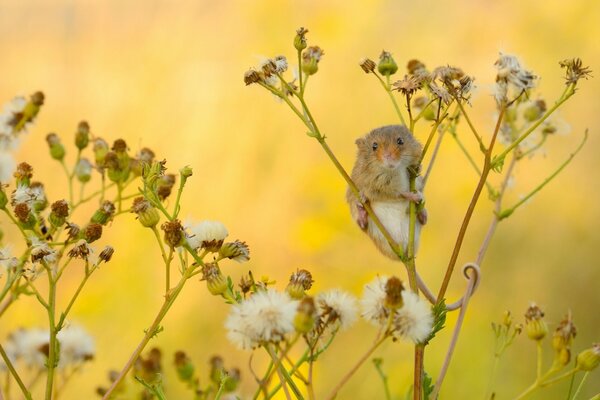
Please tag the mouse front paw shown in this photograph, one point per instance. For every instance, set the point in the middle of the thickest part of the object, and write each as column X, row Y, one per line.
column 415, row 197
column 363, row 217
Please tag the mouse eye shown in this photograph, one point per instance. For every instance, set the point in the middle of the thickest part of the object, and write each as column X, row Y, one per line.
column 375, row 145
column 400, row 141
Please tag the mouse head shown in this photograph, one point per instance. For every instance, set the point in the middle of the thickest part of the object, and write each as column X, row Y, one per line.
column 392, row 146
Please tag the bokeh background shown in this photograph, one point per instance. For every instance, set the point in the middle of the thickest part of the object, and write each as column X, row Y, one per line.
column 168, row 75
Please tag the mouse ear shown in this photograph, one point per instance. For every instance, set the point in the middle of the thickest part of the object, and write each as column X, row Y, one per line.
column 360, row 142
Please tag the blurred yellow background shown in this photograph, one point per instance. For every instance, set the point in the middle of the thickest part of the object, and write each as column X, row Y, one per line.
column 168, row 75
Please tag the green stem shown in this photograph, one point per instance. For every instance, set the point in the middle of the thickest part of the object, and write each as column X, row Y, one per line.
column 14, row 373
column 284, row 374
column 540, row 359
column 569, row 91
column 477, row 136
column 64, row 314
column 386, row 87
column 507, row 212
column 53, row 344
column 69, row 179
column 384, row 378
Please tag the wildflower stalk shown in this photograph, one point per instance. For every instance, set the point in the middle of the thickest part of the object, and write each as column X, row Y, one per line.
column 283, row 374
column 434, row 128
column 507, row 212
column 388, row 88
column 567, row 93
column 63, row 316
column 384, row 379
column 53, row 344
column 471, row 126
column 14, row 373
column 580, row 385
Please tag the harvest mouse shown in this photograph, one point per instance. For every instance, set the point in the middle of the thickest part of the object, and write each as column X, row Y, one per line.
column 382, row 177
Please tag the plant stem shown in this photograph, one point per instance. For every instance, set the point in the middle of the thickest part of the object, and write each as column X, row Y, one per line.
column 150, row 332
column 580, row 385
column 477, row 136
column 14, row 373
column 355, row 368
column 540, row 359
column 53, row 345
column 284, row 376
column 74, row 298
column 387, row 86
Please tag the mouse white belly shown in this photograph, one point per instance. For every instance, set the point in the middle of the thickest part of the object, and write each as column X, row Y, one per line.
column 394, row 216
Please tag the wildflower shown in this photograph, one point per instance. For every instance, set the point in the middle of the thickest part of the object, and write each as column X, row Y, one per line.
column 409, row 85
column 147, row 214
column 217, row 368
column 300, row 281
column 41, row 251
column 23, row 174
column 589, row 359
column 387, row 65
column 83, row 170
column 237, row 251
column 173, row 233
column 265, row 317
column 411, row 320
column 337, row 309
column 310, row 59
column 73, row 230
column 367, row 65
column 281, row 64
column 215, row 280
column 7, row 262
column 76, row 346
column 415, row 67
column 82, row 136
column 165, row 186
column 208, row 235
column 7, row 166
column 251, row 76
column 534, row 324
column 57, row 150
column 306, row 316
column 575, row 70
column 104, row 214
column 59, row 213
column 81, row 249
column 30, row 345
column 562, row 339
column 38, row 196
column 148, row 368
column 300, row 39
column 100, row 150
column 511, row 74
column 24, row 215
column 92, row 232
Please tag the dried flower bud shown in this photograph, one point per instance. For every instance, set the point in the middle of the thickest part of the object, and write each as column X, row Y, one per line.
column 118, row 166
column 82, row 136
column 281, row 64
column 564, row 334
column 233, row 380
column 367, row 65
column 534, row 111
column 92, row 232
column 146, row 213
column 575, row 70
column 305, row 318
column 57, row 150
column 310, row 59
column 589, row 359
column 23, row 213
column 81, row 249
column 268, row 67
column 83, row 170
column 165, row 186
column 73, row 231
column 387, row 65
column 100, row 150
column 246, row 284
column 393, row 293
column 408, row 85
column 215, row 280
column 534, row 324
column 29, row 112
column 173, row 233
column 217, row 367
column 300, row 39
column 104, row 214
column 119, row 146
column 23, row 174
column 251, row 76
column 59, row 213
column 415, row 67
column 507, row 320
column 184, row 367
column 106, row 254
column 39, row 200
column 237, row 251
column 300, row 281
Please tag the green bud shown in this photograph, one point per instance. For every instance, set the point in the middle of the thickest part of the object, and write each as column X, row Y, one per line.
column 186, row 172
column 535, row 326
column 387, row 65
column 300, row 281
column 100, row 150
column 215, row 280
column 23, row 174
column 60, row 212
column 104, row 214
column 300, row 39
column 184, row 367
column 310, row 60
column 31, row 110
column 147, row 214
column 3, row 198
column 82, row 136
column 83, row 170
column 233, row 380
column 305, row 318
column 57, row 150
column 589, row 359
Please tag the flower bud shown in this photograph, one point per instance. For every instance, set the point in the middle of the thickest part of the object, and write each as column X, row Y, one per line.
column 100, row 150
column 310, row 60
column 24, row 215
column 393, row 293
column 173, row 233
column 165, row 186
column 104, row 214
column 534, row 111
column 215, row 280
column 300, row 39
column 507, row 320
column 534, row 324
column 81, row 250
column 233, row 380
column 73, row 231
column 563, row 356
column 30, row 111
column 106, row 254
column 3, row 198
column 305, row 318
column 118, row 170
column 237, row 251
column 367, row 65
column 415, row 67
column 184, row 367
column 564, row 334
column 387, row 65
column 57, row 150
column 23, row 174
column 217, row 367
column 83, row 170
column 82, row 136
column 589, row 359
column 186, row 172
column 146, row 213
column 60, row 212
column 300, row 281
column 39, row 201
column 92, row 232
column 251, row 76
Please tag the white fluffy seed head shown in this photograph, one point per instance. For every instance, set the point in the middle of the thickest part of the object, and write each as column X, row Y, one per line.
column 336, row 308
column 76, row 346
column 205, row 232
column 265, row 317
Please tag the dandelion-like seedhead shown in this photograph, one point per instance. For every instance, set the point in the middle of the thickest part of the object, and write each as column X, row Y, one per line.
column 336, row 309
column 208, row 235
column 265, row 317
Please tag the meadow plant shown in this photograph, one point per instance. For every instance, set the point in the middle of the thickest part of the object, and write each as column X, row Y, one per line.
column 53, row 235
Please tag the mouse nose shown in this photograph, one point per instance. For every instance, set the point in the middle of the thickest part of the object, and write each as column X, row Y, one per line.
column 389, row 159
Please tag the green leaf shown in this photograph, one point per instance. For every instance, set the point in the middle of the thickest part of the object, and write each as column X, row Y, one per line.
column 427, row 387
column 439, row 319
